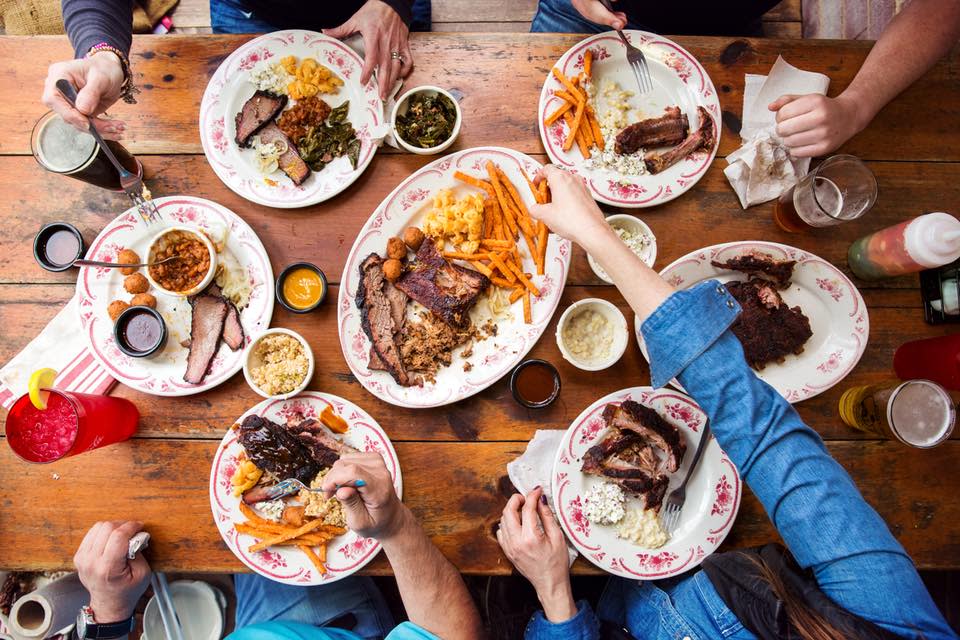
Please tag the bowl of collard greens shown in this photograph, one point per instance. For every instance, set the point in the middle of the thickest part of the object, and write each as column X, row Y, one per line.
column 426, row 120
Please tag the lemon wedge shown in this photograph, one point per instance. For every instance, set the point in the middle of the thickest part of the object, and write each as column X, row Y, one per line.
column 39, row 380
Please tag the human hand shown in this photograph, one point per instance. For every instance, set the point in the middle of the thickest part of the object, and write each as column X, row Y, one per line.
column 572, row 213
column 532, row 540
column 373, row 510
column 98, row 80
column 114, row 582
column 384, row 32
column 594, row 11
column 814, row 125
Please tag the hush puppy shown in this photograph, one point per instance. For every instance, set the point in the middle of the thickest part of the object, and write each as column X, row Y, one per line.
column 144, row 300
column 392, row 269
column 136, row 283
column 413, row 238
column 115, row 308
column 128, row 257
column 396, row 249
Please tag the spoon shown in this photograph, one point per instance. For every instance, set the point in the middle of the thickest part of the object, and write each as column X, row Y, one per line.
column 119, row 265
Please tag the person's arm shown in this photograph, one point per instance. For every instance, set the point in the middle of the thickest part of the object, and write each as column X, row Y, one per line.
column 90, row 22
column 814, row 125
column 432, row 589
column 812, row 501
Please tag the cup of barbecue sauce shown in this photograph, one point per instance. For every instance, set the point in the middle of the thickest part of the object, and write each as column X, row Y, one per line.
column 140, row 332
column 57, row 245
column 535, row 384
column 301, row 287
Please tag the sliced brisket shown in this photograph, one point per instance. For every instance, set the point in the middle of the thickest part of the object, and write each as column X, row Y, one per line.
column 257, row 112
column 667, row 130
column 206, row 326
column 377, row 319
column 324, row 447
column 290, row 161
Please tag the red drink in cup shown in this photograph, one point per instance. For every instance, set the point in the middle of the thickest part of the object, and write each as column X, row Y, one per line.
column 72, row 423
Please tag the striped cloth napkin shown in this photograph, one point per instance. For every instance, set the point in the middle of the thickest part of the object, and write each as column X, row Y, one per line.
column 60, row 346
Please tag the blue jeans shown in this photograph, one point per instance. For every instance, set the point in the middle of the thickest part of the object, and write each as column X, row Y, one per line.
column 229, row 16
column 814, row 504
column 559, row 16
column 262, row 600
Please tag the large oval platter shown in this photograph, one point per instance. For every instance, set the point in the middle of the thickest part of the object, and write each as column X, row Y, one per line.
column 493, row 357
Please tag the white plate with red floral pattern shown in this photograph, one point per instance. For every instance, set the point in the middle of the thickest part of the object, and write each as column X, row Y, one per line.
column 229, row 89
column 239, row 250
column 493, row 357
column 838, row 315
column 678, row 79
column 713, row 493
column 346, row 554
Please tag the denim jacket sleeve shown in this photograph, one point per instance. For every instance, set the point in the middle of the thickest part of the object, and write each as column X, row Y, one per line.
column 812, row 501
column 583, row 626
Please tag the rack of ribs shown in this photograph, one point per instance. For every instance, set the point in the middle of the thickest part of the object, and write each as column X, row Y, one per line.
column 702, row 138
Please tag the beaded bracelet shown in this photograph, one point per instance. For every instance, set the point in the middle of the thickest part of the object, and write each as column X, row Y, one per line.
column 127, row 90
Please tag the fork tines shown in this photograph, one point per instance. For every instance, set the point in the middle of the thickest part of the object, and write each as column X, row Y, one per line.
column 642, row 72
column 146, row 208
column 670, row 518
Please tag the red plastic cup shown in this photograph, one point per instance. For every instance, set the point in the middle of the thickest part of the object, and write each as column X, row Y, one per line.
column 72, row 423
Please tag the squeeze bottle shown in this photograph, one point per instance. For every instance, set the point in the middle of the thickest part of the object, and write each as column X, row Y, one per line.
column 925, row 242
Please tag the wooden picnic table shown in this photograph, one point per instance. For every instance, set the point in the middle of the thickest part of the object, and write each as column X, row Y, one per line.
column 454, row 457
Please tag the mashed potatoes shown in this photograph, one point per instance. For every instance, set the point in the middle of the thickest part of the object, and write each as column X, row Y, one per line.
column 459, row 221
column 642, row 527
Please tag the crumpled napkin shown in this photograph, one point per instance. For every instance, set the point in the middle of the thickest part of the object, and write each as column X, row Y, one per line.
column 761, row 169
column 60, row 346
column 534, row 467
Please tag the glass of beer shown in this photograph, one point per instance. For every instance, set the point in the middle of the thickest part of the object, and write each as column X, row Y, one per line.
column 72, row 423
column 841, row 189
column 918, row 413
column 59, row 148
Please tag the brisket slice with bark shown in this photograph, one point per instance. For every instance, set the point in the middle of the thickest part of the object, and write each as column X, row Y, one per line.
column 767, row 327
column 233, row 334
column 667, row 130
column 777, row 271
column 324, row 447
column 702, row 138
column 449, row 291
column 377, row 319
column 206, row 326
column 398, row 310
column 257, row 112
column 290, row 161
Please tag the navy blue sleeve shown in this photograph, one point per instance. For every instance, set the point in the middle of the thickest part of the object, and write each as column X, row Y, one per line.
column 90, row 22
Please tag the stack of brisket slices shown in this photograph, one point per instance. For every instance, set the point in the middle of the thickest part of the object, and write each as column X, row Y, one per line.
column 625, row 455
column 672, row 128
column 767, row 327
column 257, row 118
column 214, row 318
column 447, row 290
column 299, row 449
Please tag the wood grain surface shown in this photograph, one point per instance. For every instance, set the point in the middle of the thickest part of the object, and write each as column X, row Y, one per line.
column 453, row 458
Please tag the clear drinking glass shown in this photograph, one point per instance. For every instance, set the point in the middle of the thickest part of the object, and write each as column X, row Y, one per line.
column 840, row 189
column 918, row 413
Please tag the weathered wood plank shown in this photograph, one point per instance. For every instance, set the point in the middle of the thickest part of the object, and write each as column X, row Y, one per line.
column 491, row 415
column 778, row 29
column 456, row 490
column 469, row 11
column 172, row 69
column 785, row 11
column 323, row 234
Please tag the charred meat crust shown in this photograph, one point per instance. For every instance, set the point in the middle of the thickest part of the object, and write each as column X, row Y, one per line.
column 667, row 130
column 648, row 425
column 273, row 448
column 256, row 113
column 324, row 447
column 777, row 271
column 767, row 328
column 206, row 327
column 376, row 319
column 702, row 138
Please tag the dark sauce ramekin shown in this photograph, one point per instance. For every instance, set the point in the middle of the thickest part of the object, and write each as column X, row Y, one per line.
column 40, row 244
column 121, row 322
column 523, row 401
column 278, row 289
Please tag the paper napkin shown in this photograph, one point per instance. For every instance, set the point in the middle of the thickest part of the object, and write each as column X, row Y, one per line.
column 761, row 169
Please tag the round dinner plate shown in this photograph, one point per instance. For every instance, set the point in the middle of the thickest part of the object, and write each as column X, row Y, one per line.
column 678, row 79
column 838, row 315
column 713, row 493
column 493, row 357
column 346, row 554
column 162, row 374
column 229, row 89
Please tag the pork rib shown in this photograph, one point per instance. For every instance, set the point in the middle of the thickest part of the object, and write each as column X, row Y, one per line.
column 768, row 329
column 624, row 458
column 667, row 130
column 257, row 112
column 633, row 417
column 702, row 138
column 777, row 271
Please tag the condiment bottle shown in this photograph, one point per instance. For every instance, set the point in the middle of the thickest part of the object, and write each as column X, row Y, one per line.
column 936, row 359
column 924, row 242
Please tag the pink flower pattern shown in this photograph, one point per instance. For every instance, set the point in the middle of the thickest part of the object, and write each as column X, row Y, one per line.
column 676, row 62
column 625, row 190
column 832, row 287
column 355, row 549
column 686, row 414
column 724, row 498
column 219, row 139
column 591, row 430
column 371, row 445
column 271, row 559
column 411, row 198
column 297, row 409
column 108, row 253
column 675, row 280
column 252, row 58
column 184, row 215
column 578, row 520
column 832, row 363
column 656, row 562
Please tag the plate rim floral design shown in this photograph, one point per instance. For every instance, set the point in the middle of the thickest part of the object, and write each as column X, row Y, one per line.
column 296, row 568
column 394, row 213
column 838, row 287
column 141, row 373
column 647, row 190
column 624, row 558
column 220, row 151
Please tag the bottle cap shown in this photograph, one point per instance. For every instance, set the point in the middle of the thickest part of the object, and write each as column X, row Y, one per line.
column 937, row 239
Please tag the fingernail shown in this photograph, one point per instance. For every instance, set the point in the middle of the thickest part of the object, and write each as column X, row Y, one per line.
column 359, row 483
column 537, row 488
column 543, row 499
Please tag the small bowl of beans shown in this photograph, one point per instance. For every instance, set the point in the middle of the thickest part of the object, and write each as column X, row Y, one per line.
column 194, row 267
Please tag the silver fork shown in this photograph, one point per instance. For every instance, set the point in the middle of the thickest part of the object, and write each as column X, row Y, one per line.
column 636, row 59
column 292, row 485
column 671, row 514
column 131, row 184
